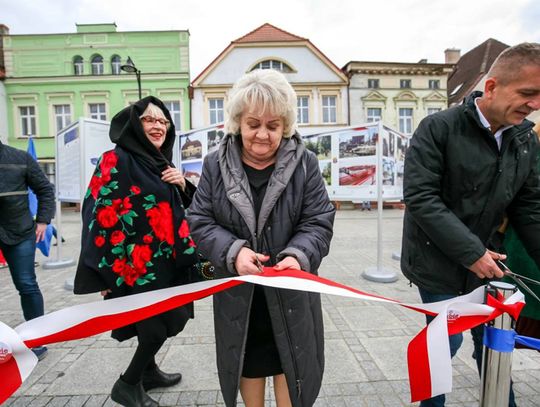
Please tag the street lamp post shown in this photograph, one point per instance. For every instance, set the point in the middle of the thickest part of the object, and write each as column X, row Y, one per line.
column 131, row 68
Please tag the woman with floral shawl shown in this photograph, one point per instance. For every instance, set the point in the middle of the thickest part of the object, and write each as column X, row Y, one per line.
column 135, row 237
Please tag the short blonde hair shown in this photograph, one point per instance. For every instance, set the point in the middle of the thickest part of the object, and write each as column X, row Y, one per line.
column 265, row 89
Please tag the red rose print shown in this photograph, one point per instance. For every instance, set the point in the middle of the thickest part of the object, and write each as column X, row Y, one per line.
column 119, row 265
column 160, row 219
column 135, row 189
column 108, row 162
column 191, row 243
column 107, row 217
column 141, row 255
column 123, row 269
column 183, row 232
column 117, row 237
column 99, row 241
column 148, row 239
column 122, row 206
column 130, row 275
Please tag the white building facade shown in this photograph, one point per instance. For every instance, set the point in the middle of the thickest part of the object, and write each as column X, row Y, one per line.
column 320, row 85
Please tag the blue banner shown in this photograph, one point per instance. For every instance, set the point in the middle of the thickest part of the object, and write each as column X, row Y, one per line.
column 45, row 245
column 503, row 340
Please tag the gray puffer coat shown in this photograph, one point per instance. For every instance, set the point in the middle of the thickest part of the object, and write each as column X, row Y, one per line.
column 296, row 219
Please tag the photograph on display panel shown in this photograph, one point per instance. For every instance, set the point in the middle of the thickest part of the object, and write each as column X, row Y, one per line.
column 320, row 145
column 191, row 147
column 192, row 171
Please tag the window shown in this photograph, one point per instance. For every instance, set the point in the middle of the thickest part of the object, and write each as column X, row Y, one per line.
column 174, row 110
column 273, row 64
column 374, row 114
column 97, row 111
column 97, row 65
column 432, row 110
column 116, row 63
column 303, row 110
column 215, row 108
column 373, row 83
column 28, row 120
column 329, row 109
column 405, row 83
column 434, row 84
column 62, row 116
column 78, row 65
column 405, row 120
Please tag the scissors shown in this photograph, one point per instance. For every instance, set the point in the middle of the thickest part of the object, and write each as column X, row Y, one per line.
column 519, row 279
column 260, row 266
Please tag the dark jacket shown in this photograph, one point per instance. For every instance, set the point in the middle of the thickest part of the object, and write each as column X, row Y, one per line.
column 18, row 171
column 457, row 187
column 296, row 218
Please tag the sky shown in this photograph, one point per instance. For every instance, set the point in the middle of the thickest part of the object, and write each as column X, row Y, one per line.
column 344, row 30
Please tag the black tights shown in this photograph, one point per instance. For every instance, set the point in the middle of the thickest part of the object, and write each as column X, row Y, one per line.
column 144, row 358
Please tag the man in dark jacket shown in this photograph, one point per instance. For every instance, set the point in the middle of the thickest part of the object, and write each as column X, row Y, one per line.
column 18, row 230
column 466, row 167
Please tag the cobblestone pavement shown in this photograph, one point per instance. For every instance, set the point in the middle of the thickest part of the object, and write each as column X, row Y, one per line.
column 365, row 349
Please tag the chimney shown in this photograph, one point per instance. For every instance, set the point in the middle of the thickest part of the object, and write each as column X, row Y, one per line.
column 452, row 55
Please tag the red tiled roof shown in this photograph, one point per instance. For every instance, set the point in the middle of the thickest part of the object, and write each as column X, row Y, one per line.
column 268, row 33
column 471, row 68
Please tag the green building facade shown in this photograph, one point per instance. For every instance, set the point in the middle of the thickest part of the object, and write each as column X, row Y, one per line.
column 51, row 80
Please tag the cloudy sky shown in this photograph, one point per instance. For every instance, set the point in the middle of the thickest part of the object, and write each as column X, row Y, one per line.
column 345, row 30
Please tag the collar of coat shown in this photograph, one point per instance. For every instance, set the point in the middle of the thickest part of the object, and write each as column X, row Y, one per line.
column 236, row 184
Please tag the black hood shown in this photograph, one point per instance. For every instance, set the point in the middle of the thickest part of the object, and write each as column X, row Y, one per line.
column 127, row 132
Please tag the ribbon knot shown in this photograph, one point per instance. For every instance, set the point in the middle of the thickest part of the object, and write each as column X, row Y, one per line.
column 512, row 309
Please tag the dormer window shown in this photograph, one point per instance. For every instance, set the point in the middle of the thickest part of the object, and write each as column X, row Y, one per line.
column 273, row 64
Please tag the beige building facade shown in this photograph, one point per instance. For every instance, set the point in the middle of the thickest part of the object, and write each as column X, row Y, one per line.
column 398, row 94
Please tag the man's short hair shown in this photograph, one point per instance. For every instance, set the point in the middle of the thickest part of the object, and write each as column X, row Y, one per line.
column 507, row 67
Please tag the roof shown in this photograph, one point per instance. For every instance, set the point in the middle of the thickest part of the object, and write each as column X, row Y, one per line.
column 471, row 68
column 266, row 33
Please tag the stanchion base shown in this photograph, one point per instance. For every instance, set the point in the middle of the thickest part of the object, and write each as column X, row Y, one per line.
column 69, row 284
column 379, row 275
column 396, row 256
column 58, row 264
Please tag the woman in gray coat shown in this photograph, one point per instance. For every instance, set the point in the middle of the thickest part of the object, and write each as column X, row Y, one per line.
column 262, row 201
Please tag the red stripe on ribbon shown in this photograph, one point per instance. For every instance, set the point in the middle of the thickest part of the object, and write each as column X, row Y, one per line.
column 418, row 366
column 11, row 379
column 106, row 323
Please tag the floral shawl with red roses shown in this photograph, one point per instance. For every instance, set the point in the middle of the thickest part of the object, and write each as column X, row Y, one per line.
column 135, row 237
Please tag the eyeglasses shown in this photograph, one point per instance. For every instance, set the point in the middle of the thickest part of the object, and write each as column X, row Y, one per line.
column 153, row 120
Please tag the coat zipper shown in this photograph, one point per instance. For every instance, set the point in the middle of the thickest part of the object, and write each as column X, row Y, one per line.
column 291, row 347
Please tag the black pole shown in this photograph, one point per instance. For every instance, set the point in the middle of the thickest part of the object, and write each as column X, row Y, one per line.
column 138, row 74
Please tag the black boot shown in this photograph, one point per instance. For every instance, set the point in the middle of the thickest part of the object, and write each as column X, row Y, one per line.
column 131, row 395
column 154, row 377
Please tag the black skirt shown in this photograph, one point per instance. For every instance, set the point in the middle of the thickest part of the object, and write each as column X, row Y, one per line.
column 157, row 328
column 261, row 358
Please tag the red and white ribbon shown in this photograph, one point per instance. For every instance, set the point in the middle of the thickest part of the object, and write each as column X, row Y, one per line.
column 430, row 370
